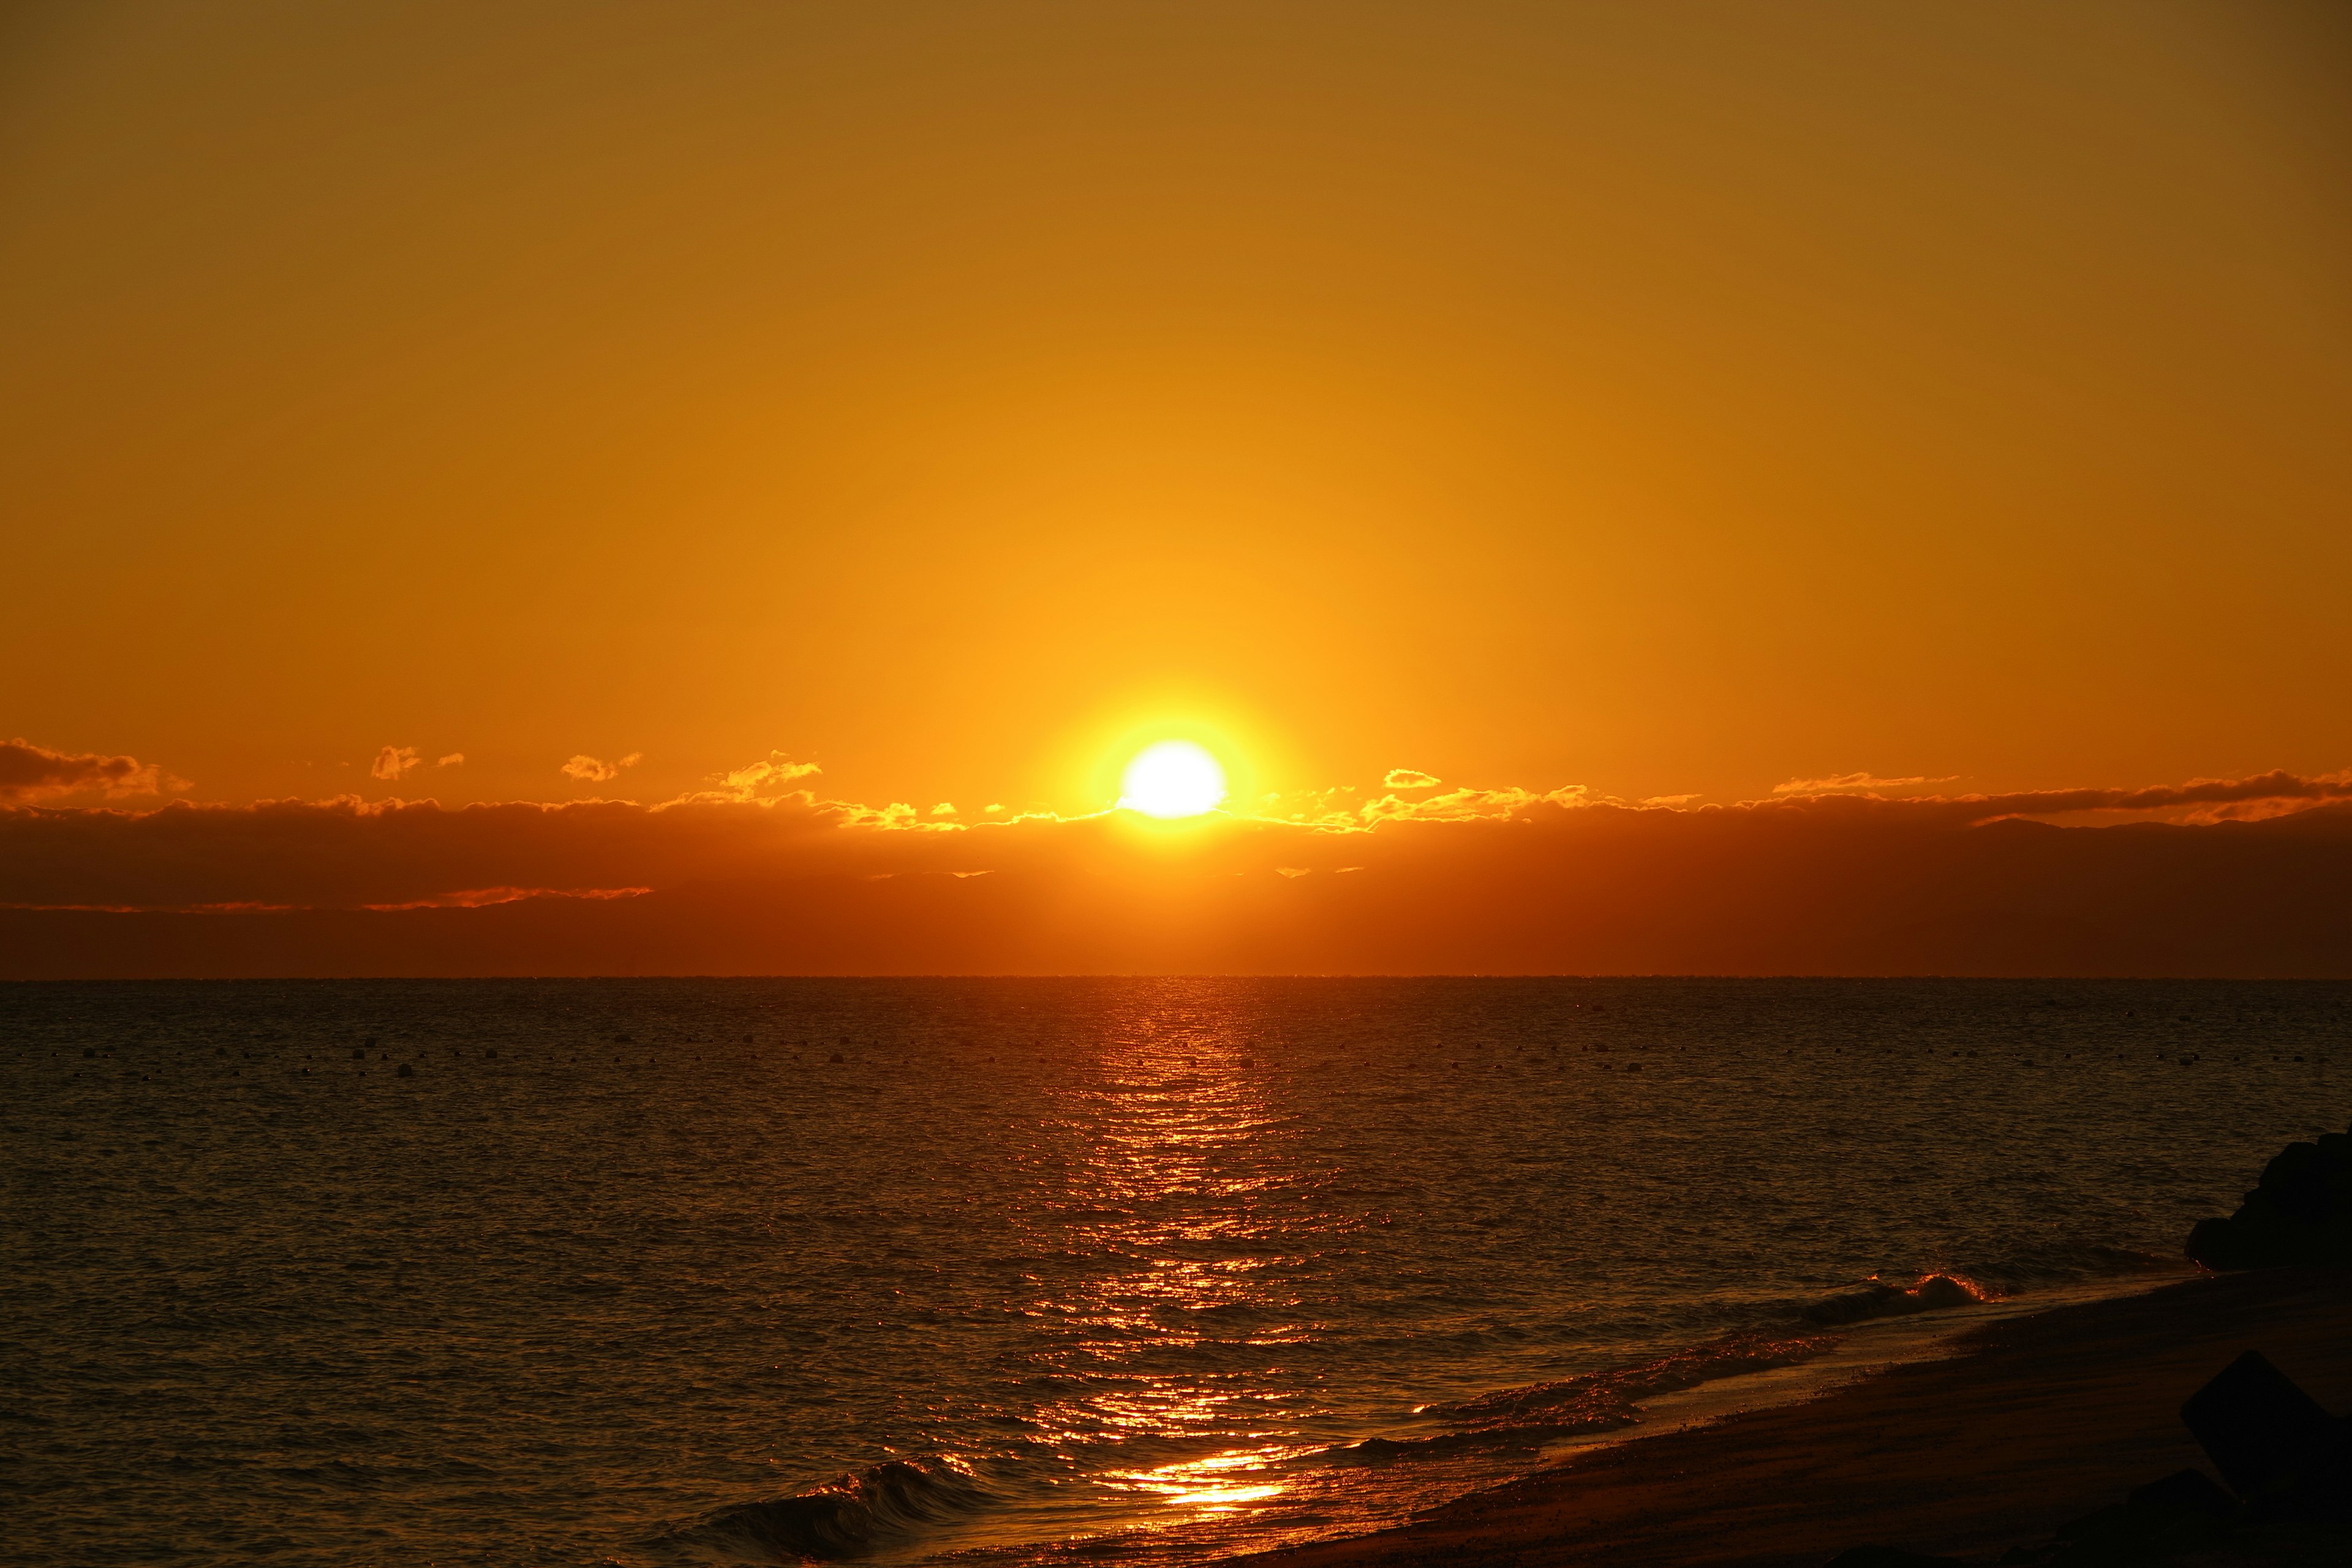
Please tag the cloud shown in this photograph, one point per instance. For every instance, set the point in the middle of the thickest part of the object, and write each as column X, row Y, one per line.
column 483, row 898
column 454, row 760
column 2277, row 787
column 1492, row 881
column 897, row 814
column 1340, row 809
column 1851, row 781
column 1410, row 778
column 393, row 760
column 945, row 808
column 28, row 772
column 1466, row 804
column 586, row 769
column 766, row 780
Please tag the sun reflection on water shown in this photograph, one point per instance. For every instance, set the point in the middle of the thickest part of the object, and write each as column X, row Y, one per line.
column 1219, row 1484
column 1185, row 1188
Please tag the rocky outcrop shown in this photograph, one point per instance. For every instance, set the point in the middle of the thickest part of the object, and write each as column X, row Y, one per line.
column 2287, row 1461
column 2300, row 1213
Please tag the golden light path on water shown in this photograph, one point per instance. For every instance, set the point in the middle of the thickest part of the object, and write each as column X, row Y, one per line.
column 1178, row 1162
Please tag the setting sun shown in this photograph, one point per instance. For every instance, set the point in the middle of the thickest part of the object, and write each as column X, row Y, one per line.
column 1174, row 778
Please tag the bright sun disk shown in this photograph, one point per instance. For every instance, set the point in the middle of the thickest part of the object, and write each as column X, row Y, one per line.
column 1174, row 778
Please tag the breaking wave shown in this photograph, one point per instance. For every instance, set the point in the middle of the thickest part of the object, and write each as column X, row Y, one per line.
column 853, row 1515
column 1540, row 1413
column 1879, row 1299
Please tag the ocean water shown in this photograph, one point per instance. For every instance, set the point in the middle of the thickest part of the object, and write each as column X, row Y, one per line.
column 655, row 1272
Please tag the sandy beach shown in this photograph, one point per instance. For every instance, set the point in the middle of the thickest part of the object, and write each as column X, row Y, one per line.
column 2036, row 1421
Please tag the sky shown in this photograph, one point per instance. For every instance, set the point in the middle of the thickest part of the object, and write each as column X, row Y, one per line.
column 930, row 405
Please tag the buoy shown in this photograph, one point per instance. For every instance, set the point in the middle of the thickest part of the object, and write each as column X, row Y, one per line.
column 407, row 1071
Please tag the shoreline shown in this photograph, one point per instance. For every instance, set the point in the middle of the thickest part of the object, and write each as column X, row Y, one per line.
column 2029, row 1420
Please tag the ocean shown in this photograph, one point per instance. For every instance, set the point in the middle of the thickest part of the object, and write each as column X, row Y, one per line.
column 1142, row 1270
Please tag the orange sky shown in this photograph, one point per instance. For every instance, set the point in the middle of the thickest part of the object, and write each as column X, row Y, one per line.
column 1662, row 399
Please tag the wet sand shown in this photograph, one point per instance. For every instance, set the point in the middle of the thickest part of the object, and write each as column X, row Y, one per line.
column 2037, row 1420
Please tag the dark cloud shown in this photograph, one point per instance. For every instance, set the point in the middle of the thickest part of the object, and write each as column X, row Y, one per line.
column 28, row 772
column 2278, row 786
column 1555, row 883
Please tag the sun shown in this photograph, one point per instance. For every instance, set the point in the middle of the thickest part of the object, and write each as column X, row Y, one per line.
column 1174, row 778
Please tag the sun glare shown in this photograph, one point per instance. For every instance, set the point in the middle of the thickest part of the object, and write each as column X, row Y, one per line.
column 1174, row 778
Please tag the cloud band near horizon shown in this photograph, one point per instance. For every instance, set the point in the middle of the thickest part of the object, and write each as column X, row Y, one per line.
column 347, row 853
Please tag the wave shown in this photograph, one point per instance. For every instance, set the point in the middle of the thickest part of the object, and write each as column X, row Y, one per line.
column 2068, row 1262
column 2030, row 1268
column 1879, row 1299
column 890, row 1505
column 1539, row 1413
column 853, row 1514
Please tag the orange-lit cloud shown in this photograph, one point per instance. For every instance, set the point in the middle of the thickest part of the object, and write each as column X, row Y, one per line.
column 2277, row 787
column 483, row 898
column 1851, row 781
column 1503, row 880
column 28, row 772
column 589, row 769
column 393, row 761
column 1455, row 805
column 454, row 760
column 1410, row 778
column 767, row 780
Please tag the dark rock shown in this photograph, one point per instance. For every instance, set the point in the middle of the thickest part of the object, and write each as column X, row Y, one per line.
column 2323, row 1494
column 2301, row 1212
column 2133, row 1533
column 2261, row 1432
column 406, row 1071
column 2185, row 1492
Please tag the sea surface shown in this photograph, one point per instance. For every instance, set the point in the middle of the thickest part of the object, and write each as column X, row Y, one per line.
column 1150, row 1271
